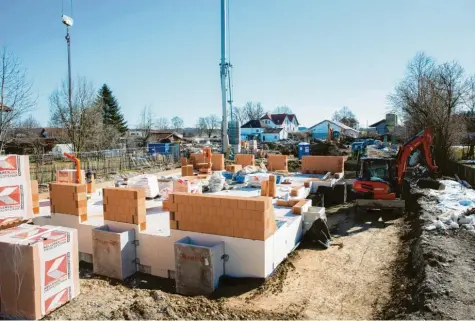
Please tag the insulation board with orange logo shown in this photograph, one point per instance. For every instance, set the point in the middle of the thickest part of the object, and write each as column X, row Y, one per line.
column 15, row 187
column 39, row 270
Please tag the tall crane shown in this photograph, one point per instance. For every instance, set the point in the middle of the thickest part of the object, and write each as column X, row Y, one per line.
column 225, row 68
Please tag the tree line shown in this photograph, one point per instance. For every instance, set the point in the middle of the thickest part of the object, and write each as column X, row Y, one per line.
column 439, row 96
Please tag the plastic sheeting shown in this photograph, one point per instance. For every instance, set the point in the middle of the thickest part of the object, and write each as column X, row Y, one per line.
column 148, row 182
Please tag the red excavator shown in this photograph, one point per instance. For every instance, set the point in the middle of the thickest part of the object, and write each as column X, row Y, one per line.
column 383, row 178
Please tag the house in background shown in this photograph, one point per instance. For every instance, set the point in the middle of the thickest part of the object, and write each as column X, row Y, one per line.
column 259, row 130
column 156, row 136
column 271, row 135
column 380, row 127
column 288, row 122
column 252, row 129
column 386, row 125
column 320, row 130
column 25, row 141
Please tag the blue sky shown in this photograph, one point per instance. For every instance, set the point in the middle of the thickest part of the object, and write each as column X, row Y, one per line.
column 312, row 55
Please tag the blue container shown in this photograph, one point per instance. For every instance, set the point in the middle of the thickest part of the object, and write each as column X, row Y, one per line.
column 278, row 179
column 228, row 175
column 241, row 178
column 304, row 150
column 159, row 148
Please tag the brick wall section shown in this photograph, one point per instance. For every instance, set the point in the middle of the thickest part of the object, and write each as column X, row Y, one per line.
column 245, row 160
column 126, row 205
column 323, row 164
column 277, row 162
column 197, row 158
column 217, row 161
column 35, row 197
column 187, row 170
column 242, row 217
column 68, row 198
column 233, row 168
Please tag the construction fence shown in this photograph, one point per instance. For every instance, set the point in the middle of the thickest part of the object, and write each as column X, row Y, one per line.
column 43, row 168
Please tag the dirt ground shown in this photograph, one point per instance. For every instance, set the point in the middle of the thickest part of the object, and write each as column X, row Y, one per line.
column 353, row 279
column 436, row 270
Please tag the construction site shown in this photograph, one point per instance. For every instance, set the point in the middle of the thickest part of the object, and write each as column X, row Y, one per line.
column 339, row 226
column 229, row 239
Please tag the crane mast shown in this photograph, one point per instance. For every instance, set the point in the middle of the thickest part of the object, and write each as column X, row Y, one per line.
column 224, row 71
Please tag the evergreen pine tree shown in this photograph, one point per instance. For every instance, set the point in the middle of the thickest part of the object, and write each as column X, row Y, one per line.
column 111, row 110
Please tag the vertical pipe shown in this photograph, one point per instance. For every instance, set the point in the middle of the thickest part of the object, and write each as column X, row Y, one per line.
column 223, row 68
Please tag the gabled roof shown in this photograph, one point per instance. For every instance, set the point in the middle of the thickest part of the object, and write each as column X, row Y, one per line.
column 291, row 118
column 254, row 124
column 337, row 123
column 278, row 119
column 41, row 132
column 164, row 134
column 377, row 123
column 272, row 130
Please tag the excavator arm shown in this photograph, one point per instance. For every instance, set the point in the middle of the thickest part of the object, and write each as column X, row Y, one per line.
column 425, row 139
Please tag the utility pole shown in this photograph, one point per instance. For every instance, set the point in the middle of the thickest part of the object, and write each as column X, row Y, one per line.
column 224, row 68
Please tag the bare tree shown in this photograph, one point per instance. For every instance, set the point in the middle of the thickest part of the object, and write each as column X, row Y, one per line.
column 284, row 109
column 240, row 115
column 201, row 125
column 162, row 123
column 83, row 130
column 145, row 126
column 177, row 123
column 211, row 124
column 470, row 118
column 345, row 116
column 432, row 96
column 16, row 97
column 253, row 110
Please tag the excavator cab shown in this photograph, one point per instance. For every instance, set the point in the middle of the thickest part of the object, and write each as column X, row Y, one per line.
column 376, row 178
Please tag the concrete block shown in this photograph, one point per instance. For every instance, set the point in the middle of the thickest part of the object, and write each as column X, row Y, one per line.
column 114, row 252
column 198, row 267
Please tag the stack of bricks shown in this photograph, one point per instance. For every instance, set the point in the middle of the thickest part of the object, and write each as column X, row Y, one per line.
column 269, row 188
column 245, row 160
column 91, row 187
column 126, row 205
column 197, row 158
column 299, row 206
column 184, row 161
column 187, row 185
column 187, row 170
column 35, row 197
column 242, row 217
column 296, row 191
column 204, row 168
column 277, row 162
column 233, row 168
column 323, row 164
column 202, row 161
column 217, row 161
column 69, row 198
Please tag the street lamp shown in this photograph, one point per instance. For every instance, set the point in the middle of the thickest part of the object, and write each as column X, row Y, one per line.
column 68, row 22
